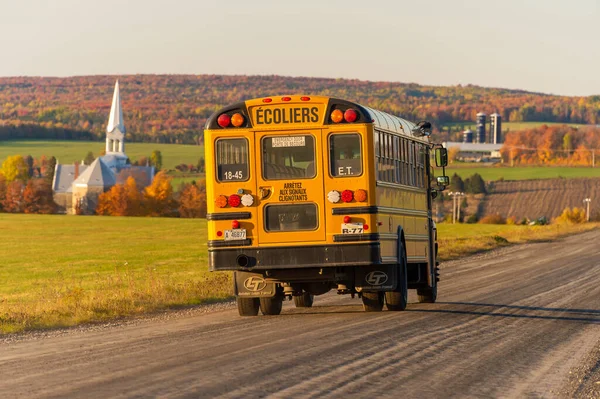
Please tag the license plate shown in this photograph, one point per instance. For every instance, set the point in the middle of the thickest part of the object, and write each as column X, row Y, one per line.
column 352, row 228
column 235, row 234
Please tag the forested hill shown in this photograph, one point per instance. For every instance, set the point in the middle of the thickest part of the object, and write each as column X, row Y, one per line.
column 173, row 108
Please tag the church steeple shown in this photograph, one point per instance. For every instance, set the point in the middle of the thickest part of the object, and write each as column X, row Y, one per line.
column 115, row 130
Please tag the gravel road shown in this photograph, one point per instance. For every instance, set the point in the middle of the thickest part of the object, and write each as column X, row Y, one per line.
column 523, row 321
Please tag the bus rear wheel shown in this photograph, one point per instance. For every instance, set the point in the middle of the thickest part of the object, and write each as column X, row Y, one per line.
column 271, row 306
column 372, row 301
column 304, row 301
column 427, row 295
column 397, row 299
column 247, row 306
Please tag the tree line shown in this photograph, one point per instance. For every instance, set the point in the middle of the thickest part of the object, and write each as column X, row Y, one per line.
column 174, row 108
column 553, row 145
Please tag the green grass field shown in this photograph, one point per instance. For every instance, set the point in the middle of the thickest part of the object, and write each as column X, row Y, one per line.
column 75, row 151
column 58, row 270
column 492, row 173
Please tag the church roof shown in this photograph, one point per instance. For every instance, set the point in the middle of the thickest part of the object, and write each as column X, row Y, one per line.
column 115, row 120
column 97, row 174
column 64, row 176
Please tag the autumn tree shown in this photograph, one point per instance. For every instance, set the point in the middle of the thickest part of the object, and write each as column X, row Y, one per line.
column 13, row 202
column 121, row 200
column 156, row 159
column 192, row 202
column 159, row 196
column 37, row 197
column 15, row 168
column 2, row 191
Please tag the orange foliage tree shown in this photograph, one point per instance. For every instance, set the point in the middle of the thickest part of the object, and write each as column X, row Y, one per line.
column 37, row 197
column 13, row 202
column 192, row 201
column 158, row 196
column 121, row 200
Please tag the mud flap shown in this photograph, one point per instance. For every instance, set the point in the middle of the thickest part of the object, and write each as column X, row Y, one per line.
column 252, row 285
column 376, row 278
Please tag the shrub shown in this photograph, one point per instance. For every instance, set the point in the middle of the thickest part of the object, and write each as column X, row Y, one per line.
column 511, row 220
column 472, row 219
column 575, row 215
column 493, row 219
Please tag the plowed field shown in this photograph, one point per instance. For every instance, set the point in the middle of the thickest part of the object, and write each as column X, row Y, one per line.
column 537, row 198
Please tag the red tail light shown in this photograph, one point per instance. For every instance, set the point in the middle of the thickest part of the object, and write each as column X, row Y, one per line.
column 235, row 224
column 365, row 227
column 347, row 219
column 350, row 115
column 224, row 120
column 347, row 196
column 234, row 200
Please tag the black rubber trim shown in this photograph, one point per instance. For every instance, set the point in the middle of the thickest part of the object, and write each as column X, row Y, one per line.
column 296, row 257
column 355, row 210
column 228, row 216
column 232, row 243
column 343, row 105
column 356, row 237
column 211, row 123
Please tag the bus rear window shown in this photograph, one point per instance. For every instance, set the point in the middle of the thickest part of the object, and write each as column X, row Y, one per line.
column 288, row 157
column 232, row 160
column 291, row 217
column 345, row 157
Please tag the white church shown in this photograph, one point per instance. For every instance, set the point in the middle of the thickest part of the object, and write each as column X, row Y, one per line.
column 77, row 186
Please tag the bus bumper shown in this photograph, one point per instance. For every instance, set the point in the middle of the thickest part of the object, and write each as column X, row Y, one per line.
column 293, row 257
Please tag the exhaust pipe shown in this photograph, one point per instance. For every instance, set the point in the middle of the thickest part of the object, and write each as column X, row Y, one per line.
column 242, row 261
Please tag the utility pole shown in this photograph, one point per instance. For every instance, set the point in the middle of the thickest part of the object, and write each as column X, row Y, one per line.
column 587, row 211
column 454, row 196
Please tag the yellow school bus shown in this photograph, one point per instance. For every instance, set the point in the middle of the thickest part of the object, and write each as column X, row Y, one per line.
column 308, row 194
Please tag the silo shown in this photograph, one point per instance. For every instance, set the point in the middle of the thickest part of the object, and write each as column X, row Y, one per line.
column 480, row 138
column 468, row 136
column 496, row 128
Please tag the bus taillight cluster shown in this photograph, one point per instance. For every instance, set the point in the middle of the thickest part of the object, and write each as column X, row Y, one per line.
column 235, row 120
column 346, row 196
column 234, row 200
column 349, row 116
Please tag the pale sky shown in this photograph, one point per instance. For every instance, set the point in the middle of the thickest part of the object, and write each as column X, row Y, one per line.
column 548, row 46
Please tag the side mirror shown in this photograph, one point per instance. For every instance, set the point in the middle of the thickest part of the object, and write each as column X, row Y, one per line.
column 443, row 181
column 441, row 157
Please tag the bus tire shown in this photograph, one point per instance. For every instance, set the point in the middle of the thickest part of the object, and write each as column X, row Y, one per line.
column 427, row 295
column 271, row 306
column 372, row 301
column 304, row 301
column 247, row 306
column 397, row 299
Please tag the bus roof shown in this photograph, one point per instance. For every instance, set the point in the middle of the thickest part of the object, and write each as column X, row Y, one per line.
column 379, row 119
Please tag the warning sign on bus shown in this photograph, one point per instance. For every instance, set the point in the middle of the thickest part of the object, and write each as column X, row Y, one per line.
column 297, row 141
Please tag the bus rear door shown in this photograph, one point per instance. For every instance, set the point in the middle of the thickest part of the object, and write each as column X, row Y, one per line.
column 290, row 187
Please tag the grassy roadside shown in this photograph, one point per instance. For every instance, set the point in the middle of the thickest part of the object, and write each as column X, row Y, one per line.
column 458, row 240
column 58, row 271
